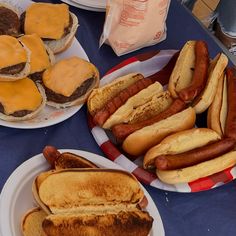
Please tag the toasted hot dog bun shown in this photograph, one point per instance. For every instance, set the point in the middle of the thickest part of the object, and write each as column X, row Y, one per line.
column 180, row 142
column 21, row 100
column 69, row 82
column 122, row 114
column 14, row 59
column 61, row 24
column 182, row 73
column 73, row 200
column 32, row 222
column 99, row 96
column 198, row 171
column 140, row 141
column 216, row 69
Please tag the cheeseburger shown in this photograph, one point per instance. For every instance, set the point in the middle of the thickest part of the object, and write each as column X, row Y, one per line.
column 69, row 82
column 14, row 59
column 41, row 56
column 20, row 100
column 51, row 22
column 9, row 20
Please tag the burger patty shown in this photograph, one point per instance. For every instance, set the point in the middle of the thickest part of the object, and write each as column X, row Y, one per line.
column 66, row 30
column 9, row 22
column 58, row 98
column 16, row 113
column 37, row 76
column 11, row 70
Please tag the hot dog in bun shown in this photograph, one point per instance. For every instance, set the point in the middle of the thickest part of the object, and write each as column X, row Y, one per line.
column 14, row 59
column 69, row 82
column 21, row 100
column 79, row 202
column 54, row 23
column 189, row 155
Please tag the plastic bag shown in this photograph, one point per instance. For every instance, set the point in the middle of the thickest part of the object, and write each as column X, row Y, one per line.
column 134, row 24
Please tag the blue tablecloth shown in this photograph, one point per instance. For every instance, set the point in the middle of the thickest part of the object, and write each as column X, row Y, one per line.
column 206, row 213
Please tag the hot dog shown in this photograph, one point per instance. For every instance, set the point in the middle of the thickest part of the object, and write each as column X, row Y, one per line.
column 194, row 156
column 121, row 131
column 200, row 73
column 230, row 126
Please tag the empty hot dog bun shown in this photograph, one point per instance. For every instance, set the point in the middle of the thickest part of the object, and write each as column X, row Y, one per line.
column 54, row 23
column 14, row 59
column 216, row 69
column 69, row 82
column 41, row 56
column 73, row 200
column 21, row 100
column 151, row 135
column 32, row 222
column 180, row 142
column 198, row 171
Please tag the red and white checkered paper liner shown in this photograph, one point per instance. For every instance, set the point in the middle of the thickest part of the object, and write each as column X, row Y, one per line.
column 148, row 64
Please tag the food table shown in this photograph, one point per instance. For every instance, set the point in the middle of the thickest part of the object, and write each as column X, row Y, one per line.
column 205, row 213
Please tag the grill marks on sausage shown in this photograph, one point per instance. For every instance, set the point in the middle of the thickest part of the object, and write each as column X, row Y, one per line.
column 113, row 104
column 80, row 91
column 9, row 22
column 66, row 30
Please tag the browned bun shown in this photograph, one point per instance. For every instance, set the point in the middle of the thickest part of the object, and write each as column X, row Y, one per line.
column 140, row 141
column 32, row 222
column 198, row 171
column 180, row 142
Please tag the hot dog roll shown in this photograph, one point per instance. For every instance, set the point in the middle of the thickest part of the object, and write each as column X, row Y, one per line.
column 182, row 73
column 140, row 141
column 216, row 69
column 123, row 112
column 194, row 156
column 199, row 75
column 121, row 131
column 180, row 142
column 200, row 170
column 230, row 125
column 217, row 112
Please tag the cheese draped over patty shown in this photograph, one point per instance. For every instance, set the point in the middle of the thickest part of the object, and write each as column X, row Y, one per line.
column 19, row 95
column 11, row 52
column 68, row 74
column 47, row 20
column 39, row 59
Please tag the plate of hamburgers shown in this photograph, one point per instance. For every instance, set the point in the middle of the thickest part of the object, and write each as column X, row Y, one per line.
column 44, row 72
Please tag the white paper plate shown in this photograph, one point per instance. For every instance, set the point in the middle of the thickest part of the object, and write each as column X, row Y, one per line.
column 49, row 116
column 16, row 197
column 85, row 7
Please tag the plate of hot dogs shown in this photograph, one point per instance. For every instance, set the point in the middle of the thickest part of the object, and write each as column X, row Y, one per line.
column 168, row 117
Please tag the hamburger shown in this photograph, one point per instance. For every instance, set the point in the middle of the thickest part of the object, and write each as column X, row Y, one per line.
column 9, row 20
column 54, row 23
column 14, row 59
column 21, row 100
column 41, row 56
column 69, row 82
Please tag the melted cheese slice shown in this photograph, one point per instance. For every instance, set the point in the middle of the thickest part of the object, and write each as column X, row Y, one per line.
column 39, row 59
column 47, row 20
column 11, row 52
column 19, row 95
column 67, row 75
